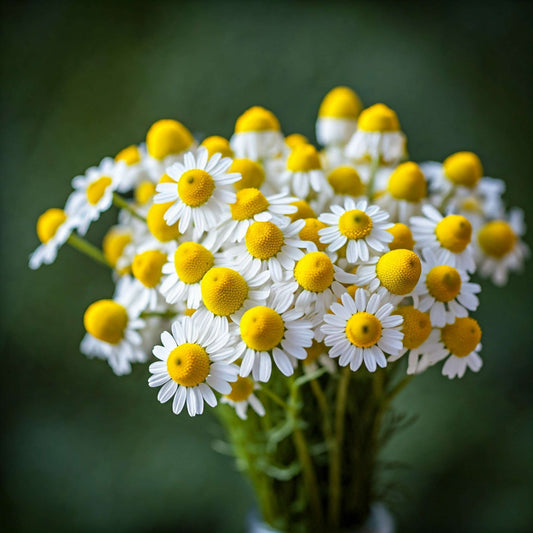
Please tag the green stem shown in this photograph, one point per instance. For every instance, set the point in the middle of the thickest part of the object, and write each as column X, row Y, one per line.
column 88, row 249
column 122, row 203
column 274, row 397
column 374, row 165
column 323, row 406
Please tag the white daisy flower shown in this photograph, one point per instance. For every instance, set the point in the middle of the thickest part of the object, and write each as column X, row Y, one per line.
column 93, row 193
column 201, row 191
column 114, row 329
column 499, row 249
column 362, row 329
column 448, row 236
column 360, row 226
column 132, row 168
column 317, row 356
column 241, row 396
column 193, row 361
column 346, row 183
column 268, row 332
column 444, row 291
column 54, row 227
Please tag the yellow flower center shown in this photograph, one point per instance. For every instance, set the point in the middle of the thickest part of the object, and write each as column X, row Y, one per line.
column 252, row 174
column 378, row 118
column 314, row 352
column 471, row 204
column 97, row 188
column 263, row 240
column 363, row 329
column 217, row 145
column 144, row 192
column 355, row 224
column 195, row 187
column 454, row 233
column 106, row 320
column 189, row 312
column 113, row 245
column 294, row 139
column 310, row 232
column 443, row 283
column 188, row 364
column 49, row 222
column 461, row 337
column 130, row 155
column 399, row 271
column 303, row 158
column 314, row 272
column 303, row 210
column 403, row 238
column 146, row 267
column 241, row 389
column 249, row 203
column 192, row 261
column 257, row 119
column 416, row 326
column 157, row 225
column 340, row 102
column 223, row 291
column 407, row 183
column 496, row 238
column 346, row 180
column 262, row 328
column 167, row 137
column 463, row 168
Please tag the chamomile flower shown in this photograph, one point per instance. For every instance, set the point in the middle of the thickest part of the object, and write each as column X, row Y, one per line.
column 402, row 237
column 252, row 174
column 499, row 248
column 362, row 329
column 317, row 356
column 444, row 292
column 217, row 145
column 271, row 332
column 114, row 329
column 200, row 191
column 93, row 193
column 345, row 182
column 360, row 226
column 448, row 236
column 378, row 136
column 131, row 168
column 241, row 396
column 147, row 269
column 54, row 227
column 192, row 362
column 115, row 241
column 267, row 247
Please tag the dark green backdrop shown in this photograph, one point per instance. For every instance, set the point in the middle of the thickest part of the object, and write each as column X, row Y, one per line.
column 84, row 450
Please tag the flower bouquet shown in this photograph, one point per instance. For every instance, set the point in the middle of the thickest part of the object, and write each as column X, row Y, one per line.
column 296, row 291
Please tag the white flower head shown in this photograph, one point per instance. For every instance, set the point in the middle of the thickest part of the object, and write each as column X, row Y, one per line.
column 242, row 396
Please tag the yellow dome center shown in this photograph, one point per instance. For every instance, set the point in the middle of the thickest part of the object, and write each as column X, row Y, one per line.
column 416, row 326
column 257, row 118
column 294, row 139
column 403, row 238
column 303, row 210
column 167, row 137
column 310, row 232
column 252, row 174
column 340, row 102
column 314, row 272
column 378, row 119
column 188, row 364
column 461, row 337
column 443, row 283
column 223, row 291
column 144, row 192
column 129, row 155
column 146, row 267
column 263, row 240
column 463, row 168
column 314, row 352
column 250, row 202
column 241, row 389
column 496, row 238
column 114, row 243
column 399, row 271
column 303, row 158
column 49, row 222
column 262, row 328
column 454, row 232
column 217, row 145
column 157, row 224
column 363, row 329
column 192, row 261
column 195, row 187
column 96, row 190
column 355, row 224
column 106, row 320
column 346, row 180
column 407, row 183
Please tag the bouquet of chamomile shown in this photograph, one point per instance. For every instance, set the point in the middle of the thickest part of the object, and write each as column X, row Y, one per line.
column 293, row 290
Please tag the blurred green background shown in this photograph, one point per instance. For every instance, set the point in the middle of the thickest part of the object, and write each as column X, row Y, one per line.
column 83, row 450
